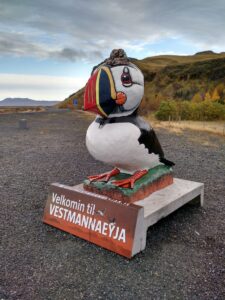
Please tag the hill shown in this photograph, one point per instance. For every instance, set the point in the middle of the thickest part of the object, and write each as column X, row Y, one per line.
column 26, row 102
column 68, row 102
column 174, row 77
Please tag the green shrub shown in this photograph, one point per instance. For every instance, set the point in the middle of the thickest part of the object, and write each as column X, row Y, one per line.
column 167, row 109
column 186, row 110
column 212, row 111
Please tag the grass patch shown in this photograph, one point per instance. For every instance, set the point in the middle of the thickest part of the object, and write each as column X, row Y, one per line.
column 153, row 175
column 177, row 126
column 25, row 109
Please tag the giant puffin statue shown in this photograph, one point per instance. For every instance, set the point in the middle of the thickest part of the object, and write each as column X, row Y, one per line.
column 119, row 136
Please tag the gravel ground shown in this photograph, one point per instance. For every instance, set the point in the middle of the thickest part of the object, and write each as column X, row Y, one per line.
column 185, row 252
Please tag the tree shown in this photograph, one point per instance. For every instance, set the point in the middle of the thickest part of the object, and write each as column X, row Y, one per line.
column 197, row 98
column 207, row 97
column 215, row 95
column 221, row 90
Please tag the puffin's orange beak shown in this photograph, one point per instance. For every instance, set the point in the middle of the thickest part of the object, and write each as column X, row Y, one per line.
column 121, row 98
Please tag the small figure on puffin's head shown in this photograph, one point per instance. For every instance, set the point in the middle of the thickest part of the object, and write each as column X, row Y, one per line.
column 119, row 136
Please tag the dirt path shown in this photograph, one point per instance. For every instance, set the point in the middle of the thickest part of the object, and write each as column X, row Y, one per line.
column 185, row 253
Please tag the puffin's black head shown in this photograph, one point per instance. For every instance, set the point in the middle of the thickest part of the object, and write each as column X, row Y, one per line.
column 115, row 88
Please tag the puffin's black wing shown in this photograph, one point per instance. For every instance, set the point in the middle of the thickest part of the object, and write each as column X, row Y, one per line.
column 151, row 142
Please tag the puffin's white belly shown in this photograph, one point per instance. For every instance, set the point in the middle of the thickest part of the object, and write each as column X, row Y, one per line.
column 117, row 144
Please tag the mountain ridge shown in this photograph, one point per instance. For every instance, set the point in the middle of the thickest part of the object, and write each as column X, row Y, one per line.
column 26, row 102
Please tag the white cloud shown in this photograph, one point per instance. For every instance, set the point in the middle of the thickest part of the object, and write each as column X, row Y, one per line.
column 158, row 53
column 39, row 87
column 76, row 30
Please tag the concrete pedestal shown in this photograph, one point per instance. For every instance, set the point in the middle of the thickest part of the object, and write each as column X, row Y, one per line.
column 162, row 203
column 114, row 225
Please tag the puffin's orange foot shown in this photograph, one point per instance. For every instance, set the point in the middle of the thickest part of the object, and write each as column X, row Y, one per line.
column 129, row 182
column 104, row 176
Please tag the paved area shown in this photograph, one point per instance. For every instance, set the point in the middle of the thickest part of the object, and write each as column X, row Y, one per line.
column 185, row 253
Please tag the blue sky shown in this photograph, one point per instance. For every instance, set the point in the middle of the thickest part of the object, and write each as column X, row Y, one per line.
column 48, row 48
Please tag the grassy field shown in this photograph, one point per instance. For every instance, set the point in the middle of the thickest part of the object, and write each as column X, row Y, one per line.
column 217, row 127
column 17, row 109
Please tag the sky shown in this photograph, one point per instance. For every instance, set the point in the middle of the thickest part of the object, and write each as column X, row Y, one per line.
column 48, row 48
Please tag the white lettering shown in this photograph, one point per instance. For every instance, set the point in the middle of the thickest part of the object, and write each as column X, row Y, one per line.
column 62, row 200
column 78, row 219
column 104, row 228
column 122, row 235
column 60, row 213
column 84, row 221
column 52, row 208
column 65, row 213
column 57, row 200
column 116, row 234
column 111, row 229
column 98, row 227
column 54, row 197
column 91, row 224
column 71, row 216
column 82, row 207
column 56, row 211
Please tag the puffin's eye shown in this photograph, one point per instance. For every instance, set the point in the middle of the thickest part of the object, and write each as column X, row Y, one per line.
column 126, row 78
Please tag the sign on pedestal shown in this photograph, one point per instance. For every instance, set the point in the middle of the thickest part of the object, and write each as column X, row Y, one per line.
column 106, row 222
